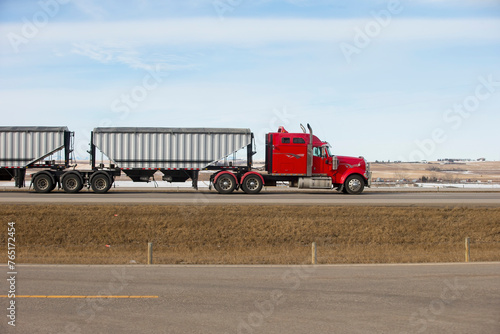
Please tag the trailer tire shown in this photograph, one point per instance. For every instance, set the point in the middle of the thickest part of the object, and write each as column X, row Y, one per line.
column 225, row 184
column 43, row 183
column 100, row 183
column 252, row 184
column 72, row 183
column 354, row 185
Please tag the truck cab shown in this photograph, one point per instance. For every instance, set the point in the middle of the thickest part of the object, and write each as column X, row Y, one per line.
column 308, row 163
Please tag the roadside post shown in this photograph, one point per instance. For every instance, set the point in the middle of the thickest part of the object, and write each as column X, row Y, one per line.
column 467, row 249
column 314, row 259
column 150, row 253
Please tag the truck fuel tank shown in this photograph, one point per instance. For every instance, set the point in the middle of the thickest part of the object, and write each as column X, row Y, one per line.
column 315, row 183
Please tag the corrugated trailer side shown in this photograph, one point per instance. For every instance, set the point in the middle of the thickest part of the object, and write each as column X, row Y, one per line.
column 179, row 153
column 23, row 147
column 173, row 148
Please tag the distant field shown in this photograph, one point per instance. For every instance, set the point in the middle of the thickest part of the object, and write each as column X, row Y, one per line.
column 232, row 234
column 482, row 171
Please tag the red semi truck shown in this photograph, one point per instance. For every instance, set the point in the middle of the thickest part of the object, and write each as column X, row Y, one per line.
column 302, row 160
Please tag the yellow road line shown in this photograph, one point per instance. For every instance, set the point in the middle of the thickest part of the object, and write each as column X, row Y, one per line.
column 62, row 296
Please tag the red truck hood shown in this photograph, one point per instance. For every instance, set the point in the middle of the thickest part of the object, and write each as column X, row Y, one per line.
column 352, row 161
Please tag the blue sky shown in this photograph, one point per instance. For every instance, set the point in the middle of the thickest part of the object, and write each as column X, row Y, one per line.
column 389, row 80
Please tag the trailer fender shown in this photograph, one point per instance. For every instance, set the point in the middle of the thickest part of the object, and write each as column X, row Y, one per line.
column 249, row 173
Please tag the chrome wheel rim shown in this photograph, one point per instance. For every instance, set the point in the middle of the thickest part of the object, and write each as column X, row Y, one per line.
column 42, row 183
column 252, row 184
column 354, row 185
column 226, row 183
column 100, row 184
column 71, row 184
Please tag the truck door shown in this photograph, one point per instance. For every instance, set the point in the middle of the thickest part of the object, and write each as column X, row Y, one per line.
column 320, row 161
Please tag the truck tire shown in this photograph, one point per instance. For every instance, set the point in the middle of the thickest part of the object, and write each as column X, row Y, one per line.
column 354, row 185
column 252, row 184
column 225, row 184
column 43, row 183
column 71, row 183
column 100, row 183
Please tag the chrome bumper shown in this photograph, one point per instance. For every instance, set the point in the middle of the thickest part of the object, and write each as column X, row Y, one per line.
column 368, row 174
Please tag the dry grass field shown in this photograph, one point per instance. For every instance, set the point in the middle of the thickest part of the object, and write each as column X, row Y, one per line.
column 104, row 234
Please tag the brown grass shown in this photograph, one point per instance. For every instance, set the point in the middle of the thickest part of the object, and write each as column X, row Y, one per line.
column 249, row 234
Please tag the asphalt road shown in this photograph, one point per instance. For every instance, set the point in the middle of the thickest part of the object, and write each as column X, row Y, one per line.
column 292, row 198
column 434, row 298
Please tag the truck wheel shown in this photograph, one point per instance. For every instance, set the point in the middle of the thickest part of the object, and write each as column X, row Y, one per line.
column 252, row 184
column 72, row 183
column 225, row 184
column 43, row 184
column 354, row 184
column 100, row 183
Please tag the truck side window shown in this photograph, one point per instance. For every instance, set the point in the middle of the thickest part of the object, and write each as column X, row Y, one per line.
column 285, row 140
column 299, row 141
column 317, row 151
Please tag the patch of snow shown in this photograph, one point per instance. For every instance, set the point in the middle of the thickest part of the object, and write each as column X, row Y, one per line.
column 461, row 185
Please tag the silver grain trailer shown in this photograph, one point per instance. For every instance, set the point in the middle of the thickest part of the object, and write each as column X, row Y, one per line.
column 23, row 147
column 178, row 153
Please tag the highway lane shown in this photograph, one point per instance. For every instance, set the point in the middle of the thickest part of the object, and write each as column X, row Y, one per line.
column 287, row 198
column 422, row 298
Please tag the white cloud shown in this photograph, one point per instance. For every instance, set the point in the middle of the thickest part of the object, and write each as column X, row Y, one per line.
column 90, row 8
column 252, row 32
column 132, row 58
column 460, row 2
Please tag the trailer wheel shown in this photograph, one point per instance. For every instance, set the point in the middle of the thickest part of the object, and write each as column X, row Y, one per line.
column 43, row 183
column 100, row 183
column 72, row 183
column 252, row 184
column 354, row 185
column 225, row 184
